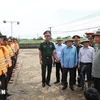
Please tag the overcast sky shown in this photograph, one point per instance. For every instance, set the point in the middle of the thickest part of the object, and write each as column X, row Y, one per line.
column 36, row 16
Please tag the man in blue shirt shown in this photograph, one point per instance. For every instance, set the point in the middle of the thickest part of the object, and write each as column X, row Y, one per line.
column 68, row 62
column 58, row 48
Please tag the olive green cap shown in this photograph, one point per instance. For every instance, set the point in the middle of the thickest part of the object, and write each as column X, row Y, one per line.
column 59, row 38
column 69, row 39
column 84, row 40
column 97, row 33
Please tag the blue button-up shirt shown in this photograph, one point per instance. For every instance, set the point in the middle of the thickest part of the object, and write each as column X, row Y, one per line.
column 58, row 49
column 69, row 57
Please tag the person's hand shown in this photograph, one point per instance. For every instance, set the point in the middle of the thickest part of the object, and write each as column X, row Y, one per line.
column 53, row 61
column 41, row 62
column 78, row 66
column 0, row 84
column 57, row 60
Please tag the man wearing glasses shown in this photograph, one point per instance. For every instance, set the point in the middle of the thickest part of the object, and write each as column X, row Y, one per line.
column 46, row 51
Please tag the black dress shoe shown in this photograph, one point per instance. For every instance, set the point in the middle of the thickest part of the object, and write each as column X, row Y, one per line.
column 48, row 84
column 43, row 84
column 79, row 85
column 72, row 88
column 56, row 82
column 64, row 87
column 82, row 87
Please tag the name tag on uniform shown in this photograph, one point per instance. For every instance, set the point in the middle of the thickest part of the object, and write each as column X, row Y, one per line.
column 50, row 46
column 44, row 46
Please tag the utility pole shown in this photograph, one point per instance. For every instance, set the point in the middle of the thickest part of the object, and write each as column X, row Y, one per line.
column 11, row 22
column 37, row 35
column 50, row 28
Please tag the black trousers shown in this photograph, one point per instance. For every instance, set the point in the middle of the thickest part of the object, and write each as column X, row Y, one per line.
column 71, row 75
column 75, row 70
column 9, row 73
column 47, row 66
column 58, row 68
column 3, row 87
column 13, row 62
column 97, row 84
column 86, row 68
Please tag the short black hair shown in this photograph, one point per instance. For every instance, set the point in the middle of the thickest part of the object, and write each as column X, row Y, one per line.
column 46, row 32
column 92, row 94
column 76, row 36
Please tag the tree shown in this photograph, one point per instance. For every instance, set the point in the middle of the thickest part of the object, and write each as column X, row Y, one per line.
column 34, row 38
column 0, row 33
column 40, row 38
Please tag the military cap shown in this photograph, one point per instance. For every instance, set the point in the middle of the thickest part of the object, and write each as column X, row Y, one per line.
column 5, row 39
column 76, row 36
column 2, row 36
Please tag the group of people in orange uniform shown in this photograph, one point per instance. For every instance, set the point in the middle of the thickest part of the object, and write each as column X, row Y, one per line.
column 9, row 49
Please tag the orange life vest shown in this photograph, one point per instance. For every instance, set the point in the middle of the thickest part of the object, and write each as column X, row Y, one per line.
column 7, row 56
column 10, row 50
column 16, row 47
column 3, row 63
column 13, row 48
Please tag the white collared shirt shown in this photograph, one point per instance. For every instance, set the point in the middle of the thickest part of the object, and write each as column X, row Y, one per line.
column 58, row 49
column 86, row 55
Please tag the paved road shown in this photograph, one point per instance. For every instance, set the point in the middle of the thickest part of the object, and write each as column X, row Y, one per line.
column 27, row 83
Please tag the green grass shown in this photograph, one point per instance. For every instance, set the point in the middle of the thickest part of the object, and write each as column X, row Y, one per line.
column 33, row 41
column 30, row 41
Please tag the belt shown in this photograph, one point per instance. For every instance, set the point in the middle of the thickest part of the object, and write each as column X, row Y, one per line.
column 48, row 57
column 86, row 63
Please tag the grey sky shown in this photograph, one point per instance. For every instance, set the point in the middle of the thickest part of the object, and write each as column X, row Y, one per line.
column 36, row 16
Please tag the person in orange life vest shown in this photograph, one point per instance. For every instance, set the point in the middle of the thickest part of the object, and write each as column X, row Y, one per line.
column 3, row 69
column 10, row 55
column 16, row 46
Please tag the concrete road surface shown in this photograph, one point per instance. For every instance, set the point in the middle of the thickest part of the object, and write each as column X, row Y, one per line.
column 27, row 81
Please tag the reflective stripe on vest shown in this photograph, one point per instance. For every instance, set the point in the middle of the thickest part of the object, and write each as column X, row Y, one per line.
column 3, row 58
column 3, row 68
column 3, row 63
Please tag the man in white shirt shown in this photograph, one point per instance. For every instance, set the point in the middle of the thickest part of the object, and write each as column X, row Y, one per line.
column 86, row 55
column 58, row 48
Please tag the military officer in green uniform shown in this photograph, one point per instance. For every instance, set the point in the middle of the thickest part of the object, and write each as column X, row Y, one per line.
column 46, row 53
column 77, row 44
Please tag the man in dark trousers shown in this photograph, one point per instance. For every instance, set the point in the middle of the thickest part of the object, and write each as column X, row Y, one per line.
column 46, row 52
column 86, row 56
column 58, row 48
column 68, row 62
column 77, row 44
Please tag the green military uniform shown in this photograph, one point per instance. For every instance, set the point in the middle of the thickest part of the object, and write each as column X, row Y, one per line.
column 47, row 52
